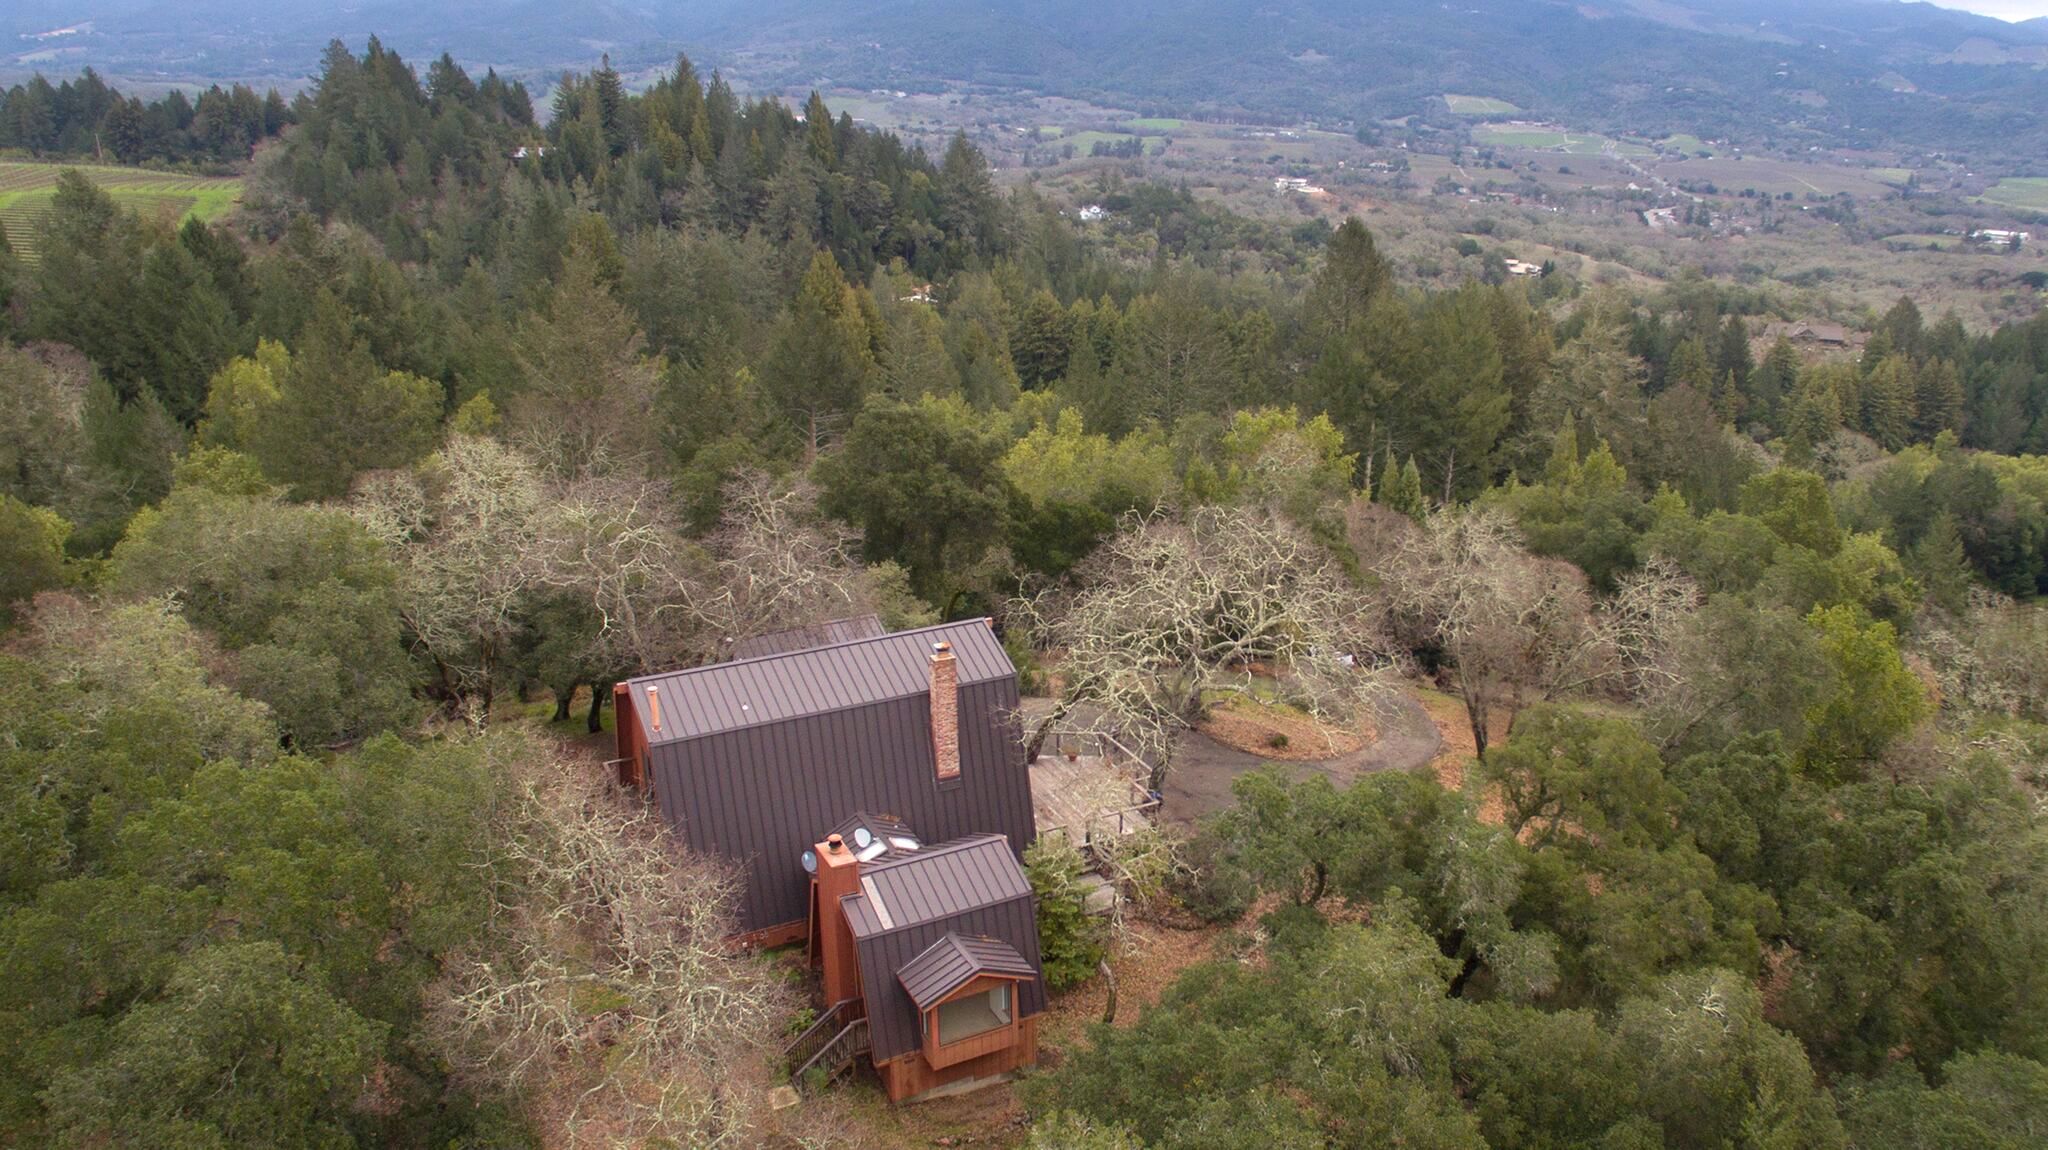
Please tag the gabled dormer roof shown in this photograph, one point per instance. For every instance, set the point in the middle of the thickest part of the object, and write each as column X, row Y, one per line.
column 956, row 960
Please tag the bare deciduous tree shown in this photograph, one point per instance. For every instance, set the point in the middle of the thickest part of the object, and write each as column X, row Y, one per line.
column 606, row 993
column 1643, row 620
column 779, row 562
column 611, row 541
column 1173, row 611
column 1511, row 623
column 459, row 526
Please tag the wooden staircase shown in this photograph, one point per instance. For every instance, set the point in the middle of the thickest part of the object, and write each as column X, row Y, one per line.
column 832, row 1043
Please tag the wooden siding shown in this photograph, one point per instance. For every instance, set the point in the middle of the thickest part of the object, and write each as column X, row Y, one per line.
column 941, row 1055
column 910, row 1075
column 762, row 795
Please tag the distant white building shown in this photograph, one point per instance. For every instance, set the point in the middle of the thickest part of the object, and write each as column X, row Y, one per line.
column 1523, row 268
column 1091, row 212
column 1999, row 237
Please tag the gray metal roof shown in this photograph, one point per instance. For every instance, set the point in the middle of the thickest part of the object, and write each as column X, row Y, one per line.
column 804, row 638
column 899, row 891
column 954, row 961
column 752, row 692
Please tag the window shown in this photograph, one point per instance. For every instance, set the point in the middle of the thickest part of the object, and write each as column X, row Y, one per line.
column 974, row 1014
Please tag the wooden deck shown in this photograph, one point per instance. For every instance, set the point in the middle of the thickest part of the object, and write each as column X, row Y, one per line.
column 1087, row 796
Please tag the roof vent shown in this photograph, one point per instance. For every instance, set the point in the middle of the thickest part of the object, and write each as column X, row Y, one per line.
column 654, row 707
column 834, row 843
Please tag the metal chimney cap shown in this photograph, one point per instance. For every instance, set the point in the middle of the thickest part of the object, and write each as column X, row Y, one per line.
column 942, row 647
column 834, row 843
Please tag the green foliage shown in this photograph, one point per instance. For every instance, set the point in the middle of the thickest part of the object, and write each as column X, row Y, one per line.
column 212, row 945
column 924, row 483
column 1070, row 942
column 303, row 595
column 1995, row 1101
column 1874, row 702
column 337, row 413
column 31, row 553
column 1346, row 1037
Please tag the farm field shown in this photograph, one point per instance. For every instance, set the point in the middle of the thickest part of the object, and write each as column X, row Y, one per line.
column 26, row 190
column 1547, row 139
column 1084, row 142
column 2030, row 192
column 1773, row 177
column 1155, row 124
column 1479, row 106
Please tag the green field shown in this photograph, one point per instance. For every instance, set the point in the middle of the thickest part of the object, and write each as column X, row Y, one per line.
column 1551, row 140
column 1479, row 106
column 1084, row 142
column 2030, row 192
column 26, row 191
column 1684, row 142
column 1155, row 124
column 1896, row 177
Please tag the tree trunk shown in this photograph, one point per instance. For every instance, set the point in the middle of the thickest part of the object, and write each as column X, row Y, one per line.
column 562, row 700
column 597, row 693
column 1475, row 713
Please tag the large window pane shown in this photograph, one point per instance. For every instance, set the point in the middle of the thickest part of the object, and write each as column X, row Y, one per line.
column 975, row 1014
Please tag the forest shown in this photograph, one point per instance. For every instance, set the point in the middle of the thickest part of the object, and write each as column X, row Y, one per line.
column 315, row 520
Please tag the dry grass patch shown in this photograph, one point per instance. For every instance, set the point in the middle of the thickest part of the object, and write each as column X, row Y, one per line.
column 1281, row 732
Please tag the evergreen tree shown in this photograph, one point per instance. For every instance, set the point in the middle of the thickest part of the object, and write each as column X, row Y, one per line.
column 1772, row 384
column 1732, row 356
column 1938, row 400
column 822, row 363
column 1353, row 275
column 338, row 413
column 1888, row 413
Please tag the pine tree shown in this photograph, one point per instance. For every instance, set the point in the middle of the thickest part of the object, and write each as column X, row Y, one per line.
column 1940, row 564
column 1938, row 399
column 609, row 95
column 1402, row 491
column 1772, row 383
column 818, row 133
column 1690, row 366
column 1888, row 403
column 822, row 363
column 1732, row 356
column 1352, row 276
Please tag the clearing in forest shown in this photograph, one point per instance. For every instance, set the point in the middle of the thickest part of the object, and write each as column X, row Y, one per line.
column 26, row 191
column 2030, row 192
column 1479, row 106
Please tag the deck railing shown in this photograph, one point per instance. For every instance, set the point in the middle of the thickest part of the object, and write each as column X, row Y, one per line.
column 836, row 1056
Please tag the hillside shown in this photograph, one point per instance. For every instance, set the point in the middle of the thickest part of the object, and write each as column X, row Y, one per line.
column 1823, row 73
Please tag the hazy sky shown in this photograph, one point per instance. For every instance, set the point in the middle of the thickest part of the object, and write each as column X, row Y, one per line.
column 2003, row 9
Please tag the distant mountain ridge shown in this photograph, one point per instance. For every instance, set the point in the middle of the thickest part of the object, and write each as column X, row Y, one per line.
column 1791, row 72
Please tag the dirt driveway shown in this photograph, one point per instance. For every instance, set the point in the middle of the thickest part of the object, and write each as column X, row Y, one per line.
column 1198, row 783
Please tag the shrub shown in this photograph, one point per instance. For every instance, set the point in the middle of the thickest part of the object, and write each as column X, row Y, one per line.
column 1212, row 887
column 1070, row 944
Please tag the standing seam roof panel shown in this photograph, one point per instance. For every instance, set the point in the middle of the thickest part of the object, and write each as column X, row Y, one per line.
column 705, row 700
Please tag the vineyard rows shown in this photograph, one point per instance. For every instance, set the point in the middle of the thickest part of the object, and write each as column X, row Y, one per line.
column 26, row 192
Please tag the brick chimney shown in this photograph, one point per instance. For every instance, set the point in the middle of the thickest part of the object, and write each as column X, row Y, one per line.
column 838, row 874
column 945, row 691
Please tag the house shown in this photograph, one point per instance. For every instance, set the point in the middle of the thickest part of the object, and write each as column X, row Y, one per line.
column 1523, row 268
column 1092, row 212
column 929, row 953
column 523, row 151
column 804, row 638
column 1999, row 237
column 750, row 760
column 922, row 293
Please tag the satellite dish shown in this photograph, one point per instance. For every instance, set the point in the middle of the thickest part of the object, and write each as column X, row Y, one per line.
column 861, row 838
column 811, row 861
